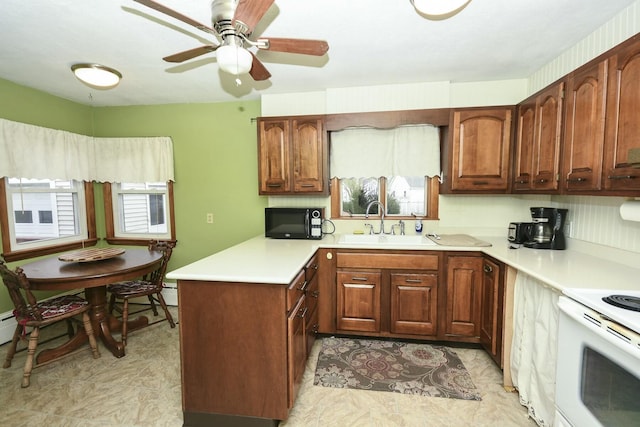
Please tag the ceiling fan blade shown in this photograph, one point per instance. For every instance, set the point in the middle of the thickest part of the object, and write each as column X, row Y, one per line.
column 164, row 9
column 258, row 70
column 304, row 47
column 191, row 53
column 249, row 12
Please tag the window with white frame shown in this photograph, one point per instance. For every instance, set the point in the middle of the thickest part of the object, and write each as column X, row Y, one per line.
column 139, row 211
column 43, row 213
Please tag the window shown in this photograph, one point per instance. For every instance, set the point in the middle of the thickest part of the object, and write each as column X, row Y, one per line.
column 403, row 197
column 63, row 219
column 137, row 212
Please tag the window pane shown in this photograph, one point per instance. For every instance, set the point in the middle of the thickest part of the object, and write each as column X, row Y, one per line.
column 56, row 203
column 405, row 196
column 357, row 193
column 142, row 209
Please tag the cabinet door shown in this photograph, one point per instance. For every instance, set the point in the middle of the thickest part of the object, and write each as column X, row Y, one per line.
column 273, row 156
column 480, row 148
column 584, row 128
column 464, row 286
column 491, row 319
column 296, row 348
column 523, row 164
column 414, row 303
column 546, row 148
column 309, row 156
column 358, row 300
column 622, row 146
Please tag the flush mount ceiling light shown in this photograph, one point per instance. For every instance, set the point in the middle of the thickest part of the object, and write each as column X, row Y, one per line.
column 439, row 9
column 96, row 75
column 233, row 58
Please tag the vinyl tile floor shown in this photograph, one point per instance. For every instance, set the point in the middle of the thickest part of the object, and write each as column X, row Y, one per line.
column 143, row 389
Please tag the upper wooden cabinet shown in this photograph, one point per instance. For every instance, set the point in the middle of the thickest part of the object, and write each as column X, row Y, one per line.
column 292, row 156
column 537, row 151
column 477, row 155
column 622, row 147
column 584, row 128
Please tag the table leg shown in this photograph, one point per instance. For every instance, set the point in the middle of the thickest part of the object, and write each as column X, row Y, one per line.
column 101, row 319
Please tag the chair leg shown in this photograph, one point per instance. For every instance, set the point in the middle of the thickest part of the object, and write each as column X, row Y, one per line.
column 163, row 304
column 86, row 321
column 153, row 305
column 112, row 302
column 125, row 317
column 31, row 351
column 11, row 351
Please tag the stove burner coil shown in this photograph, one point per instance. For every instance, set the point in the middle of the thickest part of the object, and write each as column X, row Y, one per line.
column 623, row 301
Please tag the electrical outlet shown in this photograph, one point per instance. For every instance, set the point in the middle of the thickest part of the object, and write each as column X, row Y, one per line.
column 209, row 218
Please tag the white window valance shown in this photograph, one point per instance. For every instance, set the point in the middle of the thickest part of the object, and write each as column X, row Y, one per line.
column 28, row 151
column 403, row 151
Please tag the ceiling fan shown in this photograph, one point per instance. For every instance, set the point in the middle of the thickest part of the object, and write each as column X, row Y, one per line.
column 233, row 22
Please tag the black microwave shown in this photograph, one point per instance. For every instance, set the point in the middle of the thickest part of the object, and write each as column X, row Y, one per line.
column 293, row 223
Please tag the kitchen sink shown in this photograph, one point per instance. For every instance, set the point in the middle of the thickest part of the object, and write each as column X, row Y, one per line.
column 386, row 239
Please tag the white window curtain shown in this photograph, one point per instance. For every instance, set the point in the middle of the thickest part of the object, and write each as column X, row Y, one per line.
column 412, row 150
column 28, row 151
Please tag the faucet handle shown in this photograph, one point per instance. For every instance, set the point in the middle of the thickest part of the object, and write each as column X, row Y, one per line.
column 366, row 224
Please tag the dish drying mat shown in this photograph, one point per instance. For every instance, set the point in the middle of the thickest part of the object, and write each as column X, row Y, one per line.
column 457, row 240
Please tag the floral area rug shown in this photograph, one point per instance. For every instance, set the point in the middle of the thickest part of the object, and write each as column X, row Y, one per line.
column 409, row 368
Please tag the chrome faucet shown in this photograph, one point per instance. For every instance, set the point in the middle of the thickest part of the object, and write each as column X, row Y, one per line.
column 366, row 215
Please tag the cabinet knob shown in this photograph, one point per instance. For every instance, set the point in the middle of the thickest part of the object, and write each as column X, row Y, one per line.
column 488, row 268
column 576, row 179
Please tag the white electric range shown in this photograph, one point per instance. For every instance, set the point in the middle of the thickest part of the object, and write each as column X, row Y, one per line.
column 598, row 367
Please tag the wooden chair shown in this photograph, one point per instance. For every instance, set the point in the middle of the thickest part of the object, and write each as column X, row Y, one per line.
column 30, row 313
column 150, row 286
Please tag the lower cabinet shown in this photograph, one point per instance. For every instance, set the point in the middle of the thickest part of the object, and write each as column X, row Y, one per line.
column 414, row 303
column 492, row 308
column 432, row 295
column 244, row 347
column 463, row 303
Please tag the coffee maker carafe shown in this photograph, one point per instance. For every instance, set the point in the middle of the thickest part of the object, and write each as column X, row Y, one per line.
column 547, row 229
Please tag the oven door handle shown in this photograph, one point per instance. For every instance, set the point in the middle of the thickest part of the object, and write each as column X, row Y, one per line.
column 609, row 331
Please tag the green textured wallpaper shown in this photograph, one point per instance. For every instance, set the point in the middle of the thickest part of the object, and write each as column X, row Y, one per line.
column 215, row 153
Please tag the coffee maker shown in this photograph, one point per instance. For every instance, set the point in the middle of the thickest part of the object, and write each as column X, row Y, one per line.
column 547, row 229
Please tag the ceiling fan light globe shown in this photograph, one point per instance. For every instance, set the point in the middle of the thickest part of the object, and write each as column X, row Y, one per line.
column 234, row 60
column 439, row 9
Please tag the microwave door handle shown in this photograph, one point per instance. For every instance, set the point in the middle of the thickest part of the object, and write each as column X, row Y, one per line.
column 307, row 225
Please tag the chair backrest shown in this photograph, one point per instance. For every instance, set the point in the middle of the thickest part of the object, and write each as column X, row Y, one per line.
column 18, row 286
column 166, row 247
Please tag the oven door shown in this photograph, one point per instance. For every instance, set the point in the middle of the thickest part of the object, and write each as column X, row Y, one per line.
column 598, row 370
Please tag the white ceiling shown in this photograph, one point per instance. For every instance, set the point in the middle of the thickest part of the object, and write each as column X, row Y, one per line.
column 371, row 42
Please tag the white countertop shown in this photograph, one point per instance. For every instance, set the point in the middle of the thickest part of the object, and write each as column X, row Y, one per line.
column 262, row 260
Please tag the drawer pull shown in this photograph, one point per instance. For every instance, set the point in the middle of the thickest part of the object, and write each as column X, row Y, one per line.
column 302, row 312
column 413, row 281
column 480, row 182
column 488, row 268
column 274, row 185
column 576, row 179
column 303, row 286
column 540, row 181
column 621, row 177
column 307, row 185
column 359, row 279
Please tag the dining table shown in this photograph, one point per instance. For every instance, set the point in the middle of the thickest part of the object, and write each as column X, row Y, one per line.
column 70, row 271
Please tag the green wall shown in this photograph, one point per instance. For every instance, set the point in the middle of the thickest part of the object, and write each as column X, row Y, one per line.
column 216, row 169
column 215, row 154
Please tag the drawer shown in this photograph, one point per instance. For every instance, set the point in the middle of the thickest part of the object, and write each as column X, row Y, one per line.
column 311, row 268
column 428, row 261
column 296, row 290
column 312, row 295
